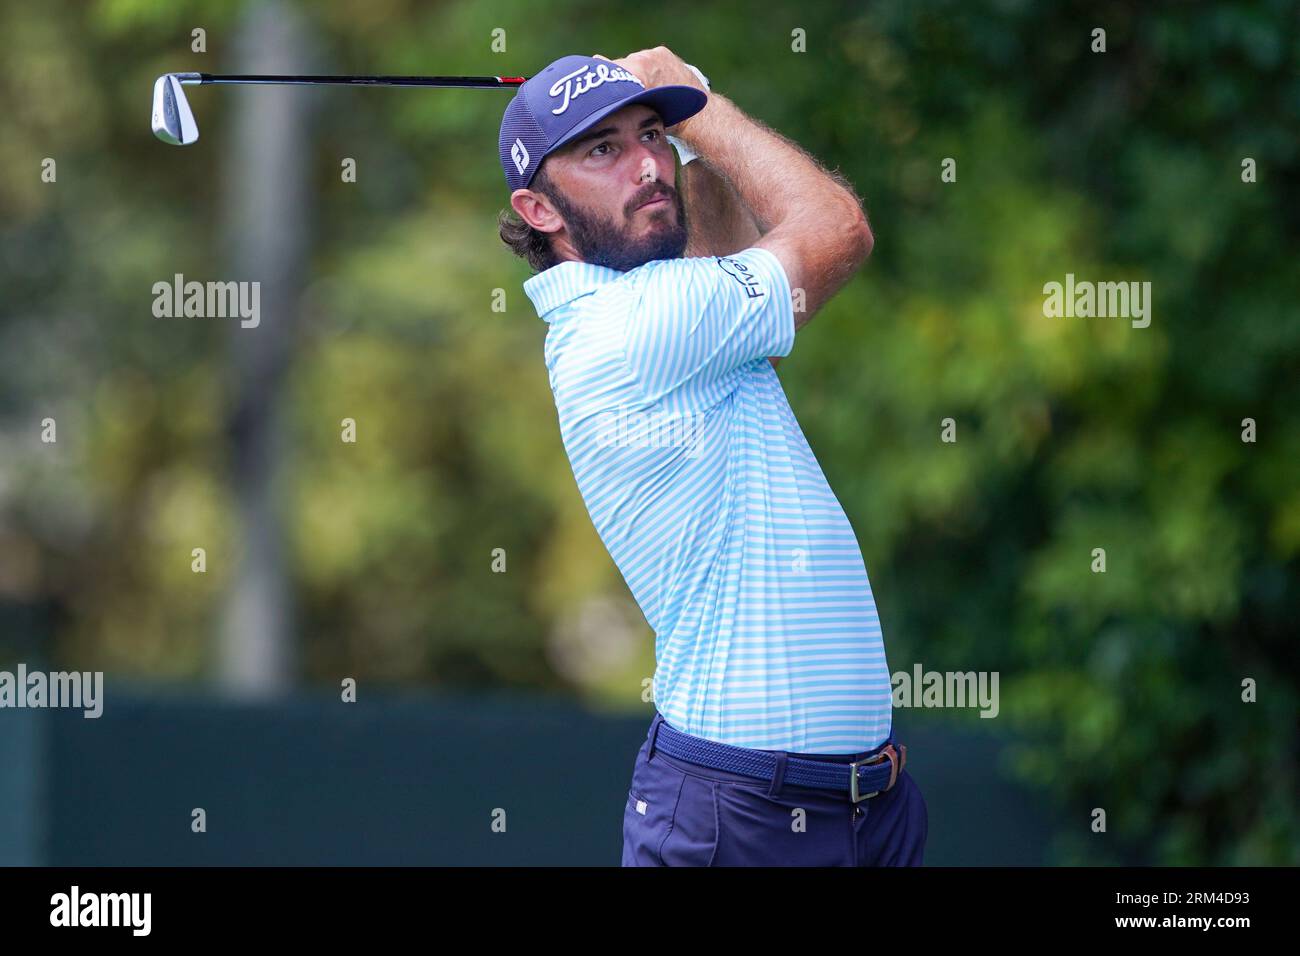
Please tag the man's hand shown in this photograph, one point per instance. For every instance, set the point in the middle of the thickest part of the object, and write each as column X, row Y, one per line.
column 658, row 67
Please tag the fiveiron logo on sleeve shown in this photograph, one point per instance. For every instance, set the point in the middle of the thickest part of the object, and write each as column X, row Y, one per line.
column 740, row 272
column 75, row 908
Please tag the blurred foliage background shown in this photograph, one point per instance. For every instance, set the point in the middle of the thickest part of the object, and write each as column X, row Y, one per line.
column 1073, row 434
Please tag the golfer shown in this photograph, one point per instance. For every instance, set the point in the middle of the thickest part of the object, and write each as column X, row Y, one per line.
column 772, row 738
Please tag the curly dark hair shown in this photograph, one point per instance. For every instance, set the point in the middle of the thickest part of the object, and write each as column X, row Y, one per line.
column 523, row 240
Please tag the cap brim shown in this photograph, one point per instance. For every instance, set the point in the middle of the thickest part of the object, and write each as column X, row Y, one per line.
column 673, row 103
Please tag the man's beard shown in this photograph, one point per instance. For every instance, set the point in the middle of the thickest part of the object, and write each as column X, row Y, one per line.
column 603, row 242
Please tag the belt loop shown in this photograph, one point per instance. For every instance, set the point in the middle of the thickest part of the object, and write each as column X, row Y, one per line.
column 654, row 733
column 778, row 776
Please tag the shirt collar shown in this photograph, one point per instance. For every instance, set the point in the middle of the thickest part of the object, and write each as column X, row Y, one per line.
column 561, row 284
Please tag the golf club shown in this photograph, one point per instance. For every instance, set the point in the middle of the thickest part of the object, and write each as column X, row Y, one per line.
column 173, row 121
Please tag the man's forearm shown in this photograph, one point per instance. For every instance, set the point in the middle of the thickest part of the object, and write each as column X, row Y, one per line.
column 719, row 222
column 774, row 177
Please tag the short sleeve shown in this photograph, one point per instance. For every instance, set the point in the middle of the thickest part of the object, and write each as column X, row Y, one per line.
column 699, row 320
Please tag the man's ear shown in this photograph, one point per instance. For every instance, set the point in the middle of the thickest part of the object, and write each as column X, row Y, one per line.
column 536, row 210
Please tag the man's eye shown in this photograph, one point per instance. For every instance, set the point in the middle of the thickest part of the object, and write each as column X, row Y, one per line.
column 653, row 133
column 594, row 152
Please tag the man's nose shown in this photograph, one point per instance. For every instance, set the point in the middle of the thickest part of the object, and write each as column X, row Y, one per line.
column 647, row 168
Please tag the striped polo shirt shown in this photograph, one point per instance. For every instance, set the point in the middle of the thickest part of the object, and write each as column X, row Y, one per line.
column 702, row 487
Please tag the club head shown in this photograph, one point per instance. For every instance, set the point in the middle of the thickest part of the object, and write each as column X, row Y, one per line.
column 172, row 120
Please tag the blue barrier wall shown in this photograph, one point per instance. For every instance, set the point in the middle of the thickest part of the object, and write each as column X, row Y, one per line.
column 396, row 780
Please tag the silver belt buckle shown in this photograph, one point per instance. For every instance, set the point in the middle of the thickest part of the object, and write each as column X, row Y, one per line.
column 854, row 795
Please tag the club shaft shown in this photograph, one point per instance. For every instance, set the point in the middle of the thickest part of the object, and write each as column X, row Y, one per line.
column 484, row 82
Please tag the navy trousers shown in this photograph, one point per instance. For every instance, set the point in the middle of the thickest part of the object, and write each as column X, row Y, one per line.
column 684, row 814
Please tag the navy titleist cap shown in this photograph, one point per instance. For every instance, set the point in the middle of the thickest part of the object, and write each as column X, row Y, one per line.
column 569, row 97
